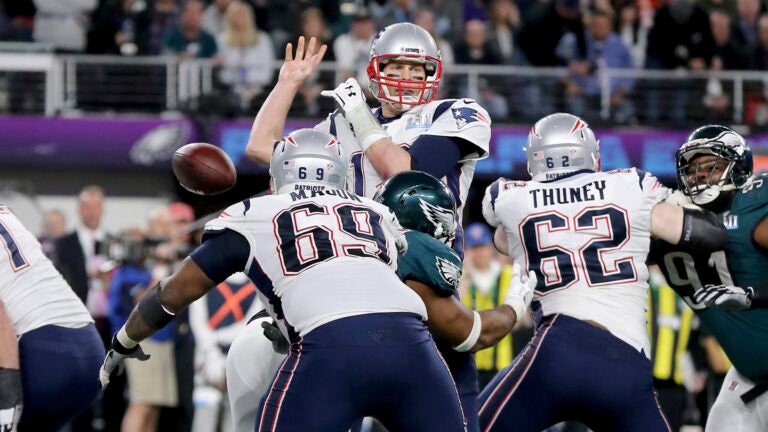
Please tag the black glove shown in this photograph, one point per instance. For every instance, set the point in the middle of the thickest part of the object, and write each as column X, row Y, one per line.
column 272, row 332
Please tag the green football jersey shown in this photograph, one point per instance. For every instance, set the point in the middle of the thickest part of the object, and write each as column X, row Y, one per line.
column 743, row 335
column 430, row 262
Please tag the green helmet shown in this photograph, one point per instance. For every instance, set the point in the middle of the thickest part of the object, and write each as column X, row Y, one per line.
column 421, row 203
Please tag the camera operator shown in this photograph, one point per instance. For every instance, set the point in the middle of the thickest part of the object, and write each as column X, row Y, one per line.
column 150, row 388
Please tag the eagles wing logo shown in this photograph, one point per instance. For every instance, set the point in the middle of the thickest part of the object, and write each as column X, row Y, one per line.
column 448, row 271
column 441, row 218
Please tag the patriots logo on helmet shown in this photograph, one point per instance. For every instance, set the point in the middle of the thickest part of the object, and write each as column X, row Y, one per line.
column 466, row 115
column 448, row 271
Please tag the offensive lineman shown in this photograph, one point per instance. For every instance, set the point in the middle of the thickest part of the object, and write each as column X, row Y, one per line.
column 586, row 235
column 324, row 259
column 714, row 171
column 410, row 131
column 58, row 347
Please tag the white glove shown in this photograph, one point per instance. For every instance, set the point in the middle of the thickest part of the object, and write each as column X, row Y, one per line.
column 351, row 100
column 114, row 360
column 680, row 199
column 520, row 291
column 9, row 418
column 728, row 297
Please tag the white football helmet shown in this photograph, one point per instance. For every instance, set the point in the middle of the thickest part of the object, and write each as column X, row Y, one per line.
column 559, row 144
column 308, row 157
column 406, row 42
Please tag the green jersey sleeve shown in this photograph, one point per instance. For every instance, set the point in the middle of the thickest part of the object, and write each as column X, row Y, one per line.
column 430, row 262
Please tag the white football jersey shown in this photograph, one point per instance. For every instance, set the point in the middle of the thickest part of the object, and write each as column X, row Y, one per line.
column 587, row 237
column 321, row 254
column 460, row 118
column 34, row 292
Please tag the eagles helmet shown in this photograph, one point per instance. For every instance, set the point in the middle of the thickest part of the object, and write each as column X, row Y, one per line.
column 728, row 147
column 559, row 144
column 408, row 42
column 421, row 203
column 308, row 157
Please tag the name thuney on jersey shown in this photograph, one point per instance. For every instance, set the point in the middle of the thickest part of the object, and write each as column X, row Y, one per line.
column 566, row 195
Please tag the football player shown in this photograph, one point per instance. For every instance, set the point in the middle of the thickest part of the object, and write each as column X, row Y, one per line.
column 426, row 207
column 714, row 171
column 411, row 130
column 586, row 236
column 58, row 348
column 324, row 259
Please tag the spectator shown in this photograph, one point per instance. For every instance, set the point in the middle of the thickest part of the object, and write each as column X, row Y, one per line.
column 386, row 12
column 121, row 27
column 728, row 56
column 54, row 226
column 214, row 17
column 165, row 17
column 189, row 40
column 425, row 18
column 745, row 26
column 150, row 387
column 760, row 52
column 633, row 26
column 247, row 55
column 313, row 25
column 604, row 50
column 449, row 18
column 21, row 16
column 680, row 38
column 475, row 49
column 351, row 49
column 283, row 14
column 544, row 24
column 503, row 25
column 757, row 95
column 63, row 23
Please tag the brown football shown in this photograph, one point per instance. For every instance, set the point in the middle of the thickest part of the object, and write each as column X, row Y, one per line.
column 204, row 169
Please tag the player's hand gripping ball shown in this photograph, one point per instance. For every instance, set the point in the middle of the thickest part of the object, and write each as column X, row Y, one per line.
column 204, row 169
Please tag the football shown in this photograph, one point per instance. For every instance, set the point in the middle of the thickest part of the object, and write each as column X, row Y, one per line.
column 204, row 169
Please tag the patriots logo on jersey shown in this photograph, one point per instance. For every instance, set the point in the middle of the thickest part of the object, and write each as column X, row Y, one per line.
column 449, row 271
column 466, row 115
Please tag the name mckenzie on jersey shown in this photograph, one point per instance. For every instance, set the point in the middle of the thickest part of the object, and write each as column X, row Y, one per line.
column 567, row 195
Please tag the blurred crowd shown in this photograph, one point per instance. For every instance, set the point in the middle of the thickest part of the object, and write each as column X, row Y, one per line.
column 246, row 38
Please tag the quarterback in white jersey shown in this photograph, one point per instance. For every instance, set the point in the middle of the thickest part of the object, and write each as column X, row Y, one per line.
column 586, row 235
column 324, row 258
column 44, row 312
column 410, row 131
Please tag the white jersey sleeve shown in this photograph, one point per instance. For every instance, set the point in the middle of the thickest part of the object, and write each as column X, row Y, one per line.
column 467, row 120
column 34, row 292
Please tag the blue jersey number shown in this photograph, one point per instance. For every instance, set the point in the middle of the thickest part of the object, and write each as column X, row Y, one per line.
column 14, row 254
column 303, row 247
column 562, row 261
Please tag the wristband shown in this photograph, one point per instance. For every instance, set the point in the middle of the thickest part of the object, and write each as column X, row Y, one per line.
column 474, row 334
column 154, row 314
column 366, row 128
column 517, row 305
column 125, row 340
column 10, row 388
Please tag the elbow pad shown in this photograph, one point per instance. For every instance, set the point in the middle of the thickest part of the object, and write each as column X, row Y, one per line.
column 154, row 314
column 702, row 230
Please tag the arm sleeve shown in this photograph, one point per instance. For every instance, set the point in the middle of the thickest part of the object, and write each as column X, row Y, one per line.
column 436, row 155
column 222, row 253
